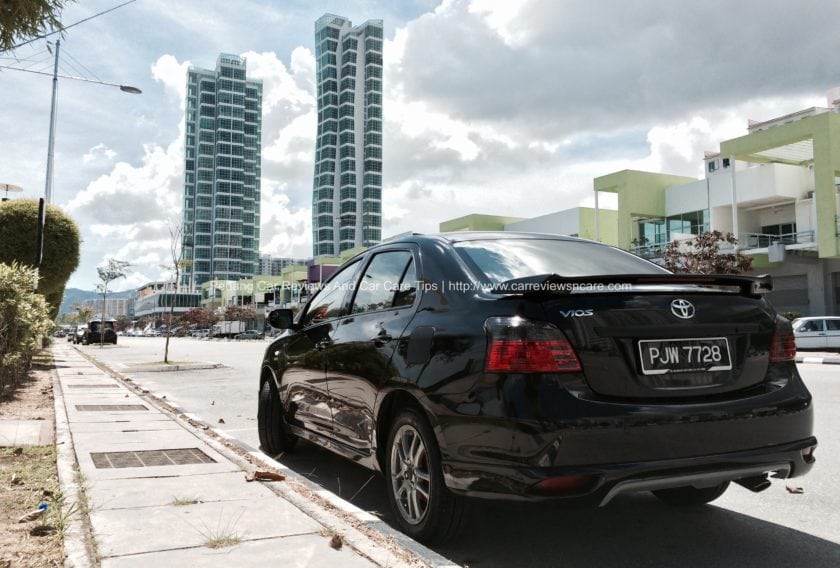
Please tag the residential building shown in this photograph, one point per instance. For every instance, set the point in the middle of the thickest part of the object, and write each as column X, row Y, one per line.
column 114, row 307
column 271, row 266
column 347, row 186
column 775, row 189
column 221, row 223
column 575, row 222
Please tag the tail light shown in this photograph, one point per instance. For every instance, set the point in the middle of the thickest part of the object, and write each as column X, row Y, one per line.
column 783, row 344
column 518, row 345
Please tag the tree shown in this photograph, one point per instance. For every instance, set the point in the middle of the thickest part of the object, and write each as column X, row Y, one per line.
column 81, row 313
column 113, row 270
column 18, row 227
column 178, row 263
column 202, row 318
column 701, row 255
column 241, row 313
column 26, row 19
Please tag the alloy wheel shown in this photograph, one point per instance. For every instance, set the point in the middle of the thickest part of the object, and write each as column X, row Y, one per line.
column 410, row 474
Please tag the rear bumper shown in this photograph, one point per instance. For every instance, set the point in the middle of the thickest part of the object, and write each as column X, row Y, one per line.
column 791, row 459
column 624, row 446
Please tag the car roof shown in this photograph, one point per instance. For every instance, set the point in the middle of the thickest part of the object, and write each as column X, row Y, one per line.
column 463, row 236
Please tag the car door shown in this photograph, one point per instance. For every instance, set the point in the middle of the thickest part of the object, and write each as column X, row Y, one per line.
column 303, row 384
column 359, row 356
column 832, row 333
column 810, row 334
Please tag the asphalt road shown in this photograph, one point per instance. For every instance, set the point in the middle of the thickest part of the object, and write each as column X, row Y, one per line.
column 776, row 528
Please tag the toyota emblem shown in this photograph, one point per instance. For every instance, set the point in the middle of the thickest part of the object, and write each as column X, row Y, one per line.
column 683, row 309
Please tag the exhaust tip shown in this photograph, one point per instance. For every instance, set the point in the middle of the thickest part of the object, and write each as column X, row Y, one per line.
column 755, row 484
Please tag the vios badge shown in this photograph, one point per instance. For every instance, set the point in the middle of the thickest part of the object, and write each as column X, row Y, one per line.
column 683, row 309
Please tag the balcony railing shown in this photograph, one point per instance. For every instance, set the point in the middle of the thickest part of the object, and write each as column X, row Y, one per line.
column 746, row 241
column 649, row 251
column 763, row 240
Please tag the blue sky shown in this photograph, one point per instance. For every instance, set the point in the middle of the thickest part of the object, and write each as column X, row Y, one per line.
column 508, row 106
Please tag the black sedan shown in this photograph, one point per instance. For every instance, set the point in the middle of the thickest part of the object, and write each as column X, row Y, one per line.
column 535, row 367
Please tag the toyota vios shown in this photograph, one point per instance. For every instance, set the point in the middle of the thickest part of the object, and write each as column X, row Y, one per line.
column 535, row 367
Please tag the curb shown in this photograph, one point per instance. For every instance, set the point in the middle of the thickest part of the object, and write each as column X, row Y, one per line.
column 830, row 360
column 77, row 534
column 336, row 514
column 168, row 368
column 819, row 360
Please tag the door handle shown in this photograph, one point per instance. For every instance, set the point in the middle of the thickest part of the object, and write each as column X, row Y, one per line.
column 381, row 339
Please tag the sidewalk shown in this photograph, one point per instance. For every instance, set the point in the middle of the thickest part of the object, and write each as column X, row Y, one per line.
column 159, row 493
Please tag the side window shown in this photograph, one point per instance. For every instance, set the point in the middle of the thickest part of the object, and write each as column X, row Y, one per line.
column 379, row 287
column 832, row 325
column 812, row 325
column 328, row 303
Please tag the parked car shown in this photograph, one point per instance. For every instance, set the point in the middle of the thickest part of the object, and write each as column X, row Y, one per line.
column 535, row 367
column 79, row 334
column 98, row 333
column 250, row 334
column 821, row 332
column 200, row 332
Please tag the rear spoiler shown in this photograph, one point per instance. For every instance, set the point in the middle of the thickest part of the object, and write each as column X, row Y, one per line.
column 554, row 284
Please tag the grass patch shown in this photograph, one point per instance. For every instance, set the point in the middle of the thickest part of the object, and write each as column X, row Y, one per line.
column 184, row 501
column 223, row 535
column 28, row 478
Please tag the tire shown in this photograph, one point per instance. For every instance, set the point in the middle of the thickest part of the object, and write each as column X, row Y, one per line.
column 691, row 496
column 421, row 504
column 275, row 437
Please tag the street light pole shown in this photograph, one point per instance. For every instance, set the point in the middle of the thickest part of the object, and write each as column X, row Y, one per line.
column 51, row 143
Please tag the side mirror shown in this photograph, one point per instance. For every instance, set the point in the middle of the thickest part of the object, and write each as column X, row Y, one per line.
column 281, row 319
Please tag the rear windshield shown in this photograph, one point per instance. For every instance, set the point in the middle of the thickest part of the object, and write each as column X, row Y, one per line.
column 497, row 261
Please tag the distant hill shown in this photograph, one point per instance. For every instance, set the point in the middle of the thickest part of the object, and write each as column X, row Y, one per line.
column 74, row 296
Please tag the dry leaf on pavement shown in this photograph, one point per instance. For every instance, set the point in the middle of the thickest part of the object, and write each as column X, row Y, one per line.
column 260, row 475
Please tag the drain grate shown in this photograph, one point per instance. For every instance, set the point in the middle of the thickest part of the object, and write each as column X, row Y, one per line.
column 109, row 407
column 93, row 386
column 149, row 458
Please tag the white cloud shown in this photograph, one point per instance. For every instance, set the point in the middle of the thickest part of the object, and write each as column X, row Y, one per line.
column 98, row 152
column 173, row 75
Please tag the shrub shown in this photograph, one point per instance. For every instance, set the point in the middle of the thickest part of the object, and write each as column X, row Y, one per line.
column 18, row 227
column 24, row 319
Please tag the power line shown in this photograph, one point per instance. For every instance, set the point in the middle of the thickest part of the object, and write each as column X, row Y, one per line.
column 71, row 25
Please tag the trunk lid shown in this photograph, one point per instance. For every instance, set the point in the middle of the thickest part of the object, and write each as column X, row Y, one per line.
column 675, row 336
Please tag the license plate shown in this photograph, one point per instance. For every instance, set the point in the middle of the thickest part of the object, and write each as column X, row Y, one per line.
column 682, row 355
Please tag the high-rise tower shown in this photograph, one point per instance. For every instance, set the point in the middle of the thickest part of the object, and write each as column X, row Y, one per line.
column 347, row 188
column 221, row 228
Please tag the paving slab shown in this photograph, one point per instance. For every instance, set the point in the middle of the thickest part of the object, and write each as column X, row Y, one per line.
column 117, row 427
column 225, row 486
column 15, row 433
column 118, row 531
column 139, row 416
column 137, row 440
column 302, row 551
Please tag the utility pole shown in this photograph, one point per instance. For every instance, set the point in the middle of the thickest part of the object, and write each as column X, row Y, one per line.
column 51, row 143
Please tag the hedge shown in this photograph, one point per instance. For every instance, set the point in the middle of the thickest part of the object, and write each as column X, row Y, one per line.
column 24, row 319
